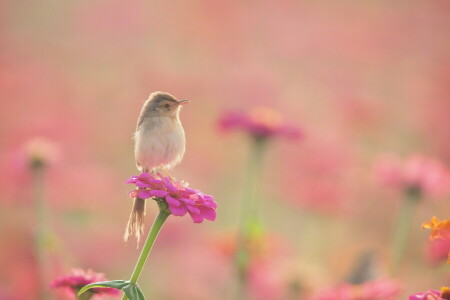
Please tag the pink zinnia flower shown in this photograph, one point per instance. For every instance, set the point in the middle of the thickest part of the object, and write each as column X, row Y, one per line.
column 380, row 289
column 444, row 294
column 383, row 289
column 428, row 295
column 264, row 271
column 79, row 278
column 438, row 251
column 179, row 197
column 41, row 151
column 260, row 122
column 417, row 173
column 439, row 237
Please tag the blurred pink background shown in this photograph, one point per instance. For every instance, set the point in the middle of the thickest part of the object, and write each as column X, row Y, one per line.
column 361, row 78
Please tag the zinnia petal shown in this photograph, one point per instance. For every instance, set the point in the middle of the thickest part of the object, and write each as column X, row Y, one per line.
column 159, row 194
column 172, row 201
column 208, row 213
column 196, row 218
column 178, row 211
column 144, row 194
column 193, row 209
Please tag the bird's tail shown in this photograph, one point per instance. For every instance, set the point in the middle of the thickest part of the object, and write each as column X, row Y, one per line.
column 135, row 223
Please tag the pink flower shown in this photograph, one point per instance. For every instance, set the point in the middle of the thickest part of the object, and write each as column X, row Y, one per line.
column 79, row 278
column 179, row 197
column 265, row 272
column 260, row 122
column 266, row 280
column 417, row 173
column 438, row 251
column 380, row 289
column 383, row 289
column 40, row 151
column 429, row 295
column 343, row 292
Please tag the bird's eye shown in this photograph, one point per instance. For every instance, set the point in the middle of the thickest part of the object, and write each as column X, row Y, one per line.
column 167, row 105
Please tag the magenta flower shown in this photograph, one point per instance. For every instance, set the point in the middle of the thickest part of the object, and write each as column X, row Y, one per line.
column 438, row 251
column 179, row 197
column 383, row 289
column 430, row 295
column 260, row 122
column 79, row 278
column 417, row 173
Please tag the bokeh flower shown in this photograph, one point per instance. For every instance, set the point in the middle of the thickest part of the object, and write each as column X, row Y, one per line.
column 79, row 278
column 438, row 251
column 444, row 294
column 439, row 229
column 439, row 237
column 260, row 123
column 40, row 151
column 264, row 270
column 428, row 295
column 417, row 177
column 419, row 174
column 179, row 197
column 382, row 289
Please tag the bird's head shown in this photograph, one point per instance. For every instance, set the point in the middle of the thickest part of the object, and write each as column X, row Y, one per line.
column 164, row 104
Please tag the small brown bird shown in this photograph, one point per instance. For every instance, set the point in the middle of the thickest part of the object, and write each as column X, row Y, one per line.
column 159, row 144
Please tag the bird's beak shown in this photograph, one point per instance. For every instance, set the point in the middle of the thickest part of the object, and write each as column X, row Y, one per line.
column 183, row 102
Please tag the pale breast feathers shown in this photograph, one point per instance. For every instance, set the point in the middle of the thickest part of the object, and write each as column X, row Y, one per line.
column 159, row 143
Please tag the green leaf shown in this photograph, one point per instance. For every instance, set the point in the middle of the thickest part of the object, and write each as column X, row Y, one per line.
column 116, row 284
column 141, row 295
column 133, row 292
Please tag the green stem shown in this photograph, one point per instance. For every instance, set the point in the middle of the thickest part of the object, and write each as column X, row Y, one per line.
column 315, row 234
column 152, row 235
column 249, row 224
column 250, row 210
column 85, row 296
column 401, row 231
column 41, row 233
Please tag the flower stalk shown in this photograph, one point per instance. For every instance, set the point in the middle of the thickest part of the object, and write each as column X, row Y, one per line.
column 37, row 168
column 250, row 224
column 402, row 228
column 152, row 235
column 85, row 296
column 250, row 213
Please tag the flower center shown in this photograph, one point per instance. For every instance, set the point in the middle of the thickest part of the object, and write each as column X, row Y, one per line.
column 445, row 292
column 266, row 116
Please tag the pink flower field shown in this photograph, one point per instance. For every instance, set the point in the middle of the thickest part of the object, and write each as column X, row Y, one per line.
column 317, row 163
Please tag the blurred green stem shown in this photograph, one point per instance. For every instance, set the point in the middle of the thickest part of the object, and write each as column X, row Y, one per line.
column 402, row 228
column 85, row 296
column 315, row 235
column 250, row 225
column 41, row 233
column 152, row 235
column 250, row 214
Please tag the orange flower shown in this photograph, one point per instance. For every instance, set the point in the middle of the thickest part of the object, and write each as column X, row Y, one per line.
column 445, row 292
column 439, row 229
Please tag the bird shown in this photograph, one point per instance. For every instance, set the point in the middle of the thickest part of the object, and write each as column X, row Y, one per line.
column 160, row 144
column 160, row 141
